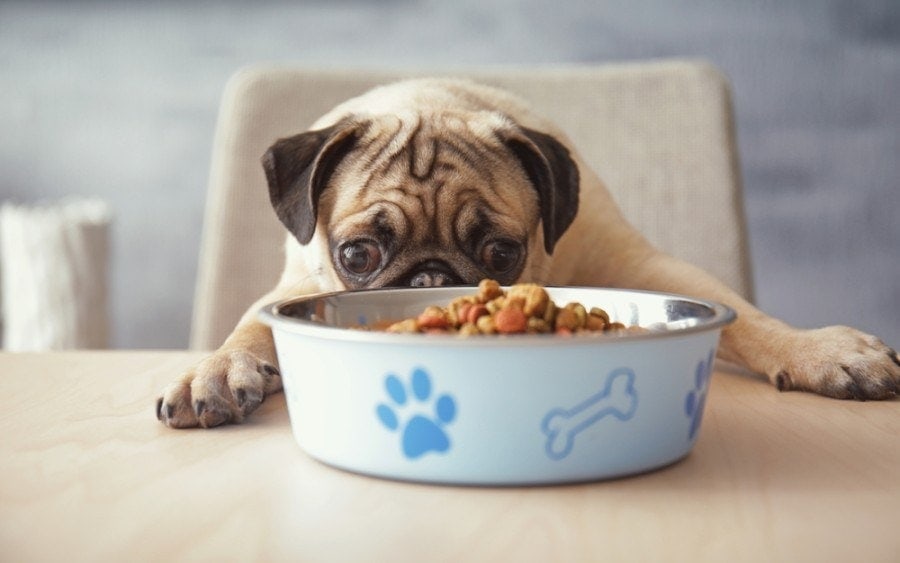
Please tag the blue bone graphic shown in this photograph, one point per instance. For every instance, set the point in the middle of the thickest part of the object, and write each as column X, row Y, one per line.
column 618, row 398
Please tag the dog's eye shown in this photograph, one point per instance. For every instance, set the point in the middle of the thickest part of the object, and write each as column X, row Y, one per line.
column 501, row 256
column 360, row 257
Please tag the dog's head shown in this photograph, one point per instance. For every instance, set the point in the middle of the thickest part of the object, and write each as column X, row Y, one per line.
column 441, row 199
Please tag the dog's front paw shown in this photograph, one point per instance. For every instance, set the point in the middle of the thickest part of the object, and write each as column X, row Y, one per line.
column 223, row 388
column 839, row 362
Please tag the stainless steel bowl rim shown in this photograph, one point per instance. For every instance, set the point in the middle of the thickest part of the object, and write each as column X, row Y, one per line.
column 270, row 314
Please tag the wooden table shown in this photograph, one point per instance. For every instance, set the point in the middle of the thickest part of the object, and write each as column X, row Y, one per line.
column 88, row 474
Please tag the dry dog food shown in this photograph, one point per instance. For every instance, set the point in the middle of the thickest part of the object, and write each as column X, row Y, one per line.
column 523, row 308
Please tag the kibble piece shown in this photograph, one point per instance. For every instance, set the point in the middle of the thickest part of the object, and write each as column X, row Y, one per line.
column 534, row 298
column 550, row 313
column 469, row 329
column 495, row 304
column 595, row 323
column 488, row 290
column 433, row 317
column 404, row 327
column 511, row 320
column 485, row 325
column 566, row 319
column 598, row 312
column 580, row 313
column 475, row 312
column 538, row 325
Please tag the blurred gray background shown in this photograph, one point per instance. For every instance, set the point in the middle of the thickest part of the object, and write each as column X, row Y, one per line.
column 119, row 100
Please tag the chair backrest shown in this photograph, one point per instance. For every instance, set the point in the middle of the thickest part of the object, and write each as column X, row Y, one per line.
column 660, row 134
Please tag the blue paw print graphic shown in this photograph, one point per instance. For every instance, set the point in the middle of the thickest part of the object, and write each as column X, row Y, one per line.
column 696, row 398
column 420, row 433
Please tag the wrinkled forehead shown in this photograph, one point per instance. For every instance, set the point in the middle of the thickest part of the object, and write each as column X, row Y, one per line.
column 449, row 165
column 422, row 139
column 437, row 149
column 479, row 124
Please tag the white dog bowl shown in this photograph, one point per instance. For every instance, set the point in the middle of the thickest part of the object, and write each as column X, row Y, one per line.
column 495, row 410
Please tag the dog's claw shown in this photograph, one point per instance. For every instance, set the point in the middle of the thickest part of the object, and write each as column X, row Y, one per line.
column 247, row 399
column 783, row 381
column 164, row 411
column 894, row 356
column 271, row 378
column 853, row 388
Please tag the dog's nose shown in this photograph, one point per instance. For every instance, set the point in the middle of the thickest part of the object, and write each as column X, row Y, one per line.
column 433, row 273
column 432, row 278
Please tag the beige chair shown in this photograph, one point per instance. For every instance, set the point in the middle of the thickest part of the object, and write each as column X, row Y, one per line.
column 660, row 134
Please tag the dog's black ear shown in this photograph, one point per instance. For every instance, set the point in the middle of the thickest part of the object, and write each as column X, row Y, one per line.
column 298, row 168
column 555, row 177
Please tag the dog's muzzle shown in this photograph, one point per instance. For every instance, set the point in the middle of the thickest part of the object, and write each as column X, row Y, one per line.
column 433, row 274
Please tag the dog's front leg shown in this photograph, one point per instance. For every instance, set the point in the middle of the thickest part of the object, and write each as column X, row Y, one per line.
column 836, row 361
column 230, row 383
column 233, row 381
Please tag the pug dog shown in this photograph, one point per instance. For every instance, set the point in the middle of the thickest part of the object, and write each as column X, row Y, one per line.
column 433, row 182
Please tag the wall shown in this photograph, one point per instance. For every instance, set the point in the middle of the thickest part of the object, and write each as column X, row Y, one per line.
column 119, row 100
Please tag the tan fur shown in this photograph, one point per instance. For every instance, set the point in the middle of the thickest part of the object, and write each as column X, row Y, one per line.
column 408, row 122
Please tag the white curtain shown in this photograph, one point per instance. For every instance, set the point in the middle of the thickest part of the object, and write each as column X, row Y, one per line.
column 53, row 275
